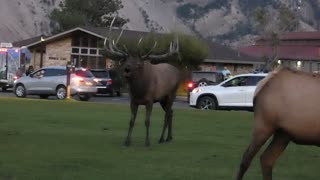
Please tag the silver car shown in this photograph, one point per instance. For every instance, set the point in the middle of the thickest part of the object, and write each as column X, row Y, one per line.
column 52, row 81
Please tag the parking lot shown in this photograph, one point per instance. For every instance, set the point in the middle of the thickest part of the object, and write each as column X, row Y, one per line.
column 180, row 102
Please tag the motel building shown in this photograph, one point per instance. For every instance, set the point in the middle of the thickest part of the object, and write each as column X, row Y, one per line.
column 299, row 50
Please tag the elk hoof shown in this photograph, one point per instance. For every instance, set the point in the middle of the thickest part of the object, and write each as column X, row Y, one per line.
column 169, row 139
column 161, row 140
column 127, row 143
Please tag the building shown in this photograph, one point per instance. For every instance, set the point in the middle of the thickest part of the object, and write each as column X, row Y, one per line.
column 82, row 46
column 237, row 62
column 300, row 50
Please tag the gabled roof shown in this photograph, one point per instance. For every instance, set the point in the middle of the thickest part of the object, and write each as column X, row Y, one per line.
column 221, row 52
column 293, row 52
column 216, row 51
column 314, row 35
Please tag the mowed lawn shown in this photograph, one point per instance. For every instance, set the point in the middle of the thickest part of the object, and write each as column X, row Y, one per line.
column 62, row 140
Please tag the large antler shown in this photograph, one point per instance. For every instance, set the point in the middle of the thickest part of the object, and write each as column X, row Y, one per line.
column 173, row 49
column 112, row 46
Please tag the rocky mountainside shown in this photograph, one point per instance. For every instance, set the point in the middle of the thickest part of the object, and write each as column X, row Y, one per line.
column 225, row 21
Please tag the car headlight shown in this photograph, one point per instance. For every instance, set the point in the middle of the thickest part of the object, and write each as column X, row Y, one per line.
column 196, row 90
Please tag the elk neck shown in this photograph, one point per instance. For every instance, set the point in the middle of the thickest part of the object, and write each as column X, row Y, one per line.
column 141, row 81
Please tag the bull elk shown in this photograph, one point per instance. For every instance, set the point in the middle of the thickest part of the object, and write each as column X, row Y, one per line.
column 148, row 83
column 287, row 107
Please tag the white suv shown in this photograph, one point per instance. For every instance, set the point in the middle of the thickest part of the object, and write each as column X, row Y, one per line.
column 234, row 93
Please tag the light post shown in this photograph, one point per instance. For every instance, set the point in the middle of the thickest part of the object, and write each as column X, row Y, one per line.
column 41, row 51
column 69, row 67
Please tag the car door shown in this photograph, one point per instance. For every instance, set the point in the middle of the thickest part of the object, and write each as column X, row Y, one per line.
column 234, row 92
column 43, row 82
column 251, row 87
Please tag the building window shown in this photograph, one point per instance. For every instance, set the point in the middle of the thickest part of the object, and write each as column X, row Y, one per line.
column 93, row 43
column 93, row 51
column 299, row 64
column 84, row 41
column 84, row 51
column 75, row 50
column 75, row 41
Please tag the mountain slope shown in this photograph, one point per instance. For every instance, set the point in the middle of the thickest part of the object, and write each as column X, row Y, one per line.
column 226, row 21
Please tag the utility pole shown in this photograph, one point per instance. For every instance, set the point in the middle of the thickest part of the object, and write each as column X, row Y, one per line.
column 41, row 51
column 70, row 68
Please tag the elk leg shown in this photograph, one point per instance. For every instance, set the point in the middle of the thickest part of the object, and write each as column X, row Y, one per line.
column 279, row 142
column 259, row 137
column 147, row 122
column 169, row 117
column 165, row 123
column 134, row 109
column 169, row 114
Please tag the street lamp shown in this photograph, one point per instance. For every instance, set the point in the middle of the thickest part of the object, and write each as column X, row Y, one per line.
column 41, row 51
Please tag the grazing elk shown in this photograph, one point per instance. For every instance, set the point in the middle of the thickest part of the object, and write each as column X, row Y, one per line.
column 148, row 83
column 287, row 107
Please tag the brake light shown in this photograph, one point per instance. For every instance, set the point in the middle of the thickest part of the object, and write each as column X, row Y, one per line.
column 3, row 49
column 190, row 85
column 15, row 77
column 109, row 81
column 78, row 79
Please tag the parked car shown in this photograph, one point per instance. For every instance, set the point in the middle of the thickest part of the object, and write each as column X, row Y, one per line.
column 49, row 81
column 108, row 81
column 234, row 93
column 203, row 78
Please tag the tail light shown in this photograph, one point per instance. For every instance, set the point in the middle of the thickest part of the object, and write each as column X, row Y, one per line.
column 190, row 85
column 96, row 80
column 109, row 81
column 15, row 77
column 78, row 79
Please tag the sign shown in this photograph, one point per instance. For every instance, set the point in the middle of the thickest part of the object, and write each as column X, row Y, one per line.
column 6, row 45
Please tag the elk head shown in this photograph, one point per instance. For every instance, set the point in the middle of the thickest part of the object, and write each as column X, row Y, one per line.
column 135, row 63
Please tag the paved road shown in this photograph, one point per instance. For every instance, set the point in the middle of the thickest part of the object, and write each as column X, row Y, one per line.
column 180, row 102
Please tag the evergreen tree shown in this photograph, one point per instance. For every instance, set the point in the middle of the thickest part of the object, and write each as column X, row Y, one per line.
column 73, row 13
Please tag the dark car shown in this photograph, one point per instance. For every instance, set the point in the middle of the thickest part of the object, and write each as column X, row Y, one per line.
column 108, row 81
column 204, row 78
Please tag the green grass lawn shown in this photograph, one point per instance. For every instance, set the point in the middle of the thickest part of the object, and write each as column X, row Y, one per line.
column 61, row 140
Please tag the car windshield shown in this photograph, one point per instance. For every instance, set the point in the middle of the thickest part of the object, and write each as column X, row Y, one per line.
column 100, row 74
column 214, row 77
column 84, row 73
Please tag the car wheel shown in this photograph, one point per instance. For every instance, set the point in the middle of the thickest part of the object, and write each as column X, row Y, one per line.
column 84, row 97
column 61, row 92
column 207, row 103
column 44, row 96
column 202, row 83
column 20, row 91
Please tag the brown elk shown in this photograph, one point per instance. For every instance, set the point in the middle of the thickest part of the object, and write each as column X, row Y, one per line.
column 287, row 107
column 148, row 83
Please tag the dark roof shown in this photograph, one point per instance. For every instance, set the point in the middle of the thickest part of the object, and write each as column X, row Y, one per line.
column 284, row 52
column 26, row 42
column 314, row 35
column 103, row 31
column 221, row 52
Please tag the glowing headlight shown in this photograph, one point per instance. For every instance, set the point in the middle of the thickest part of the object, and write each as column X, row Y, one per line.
column 196, row 90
